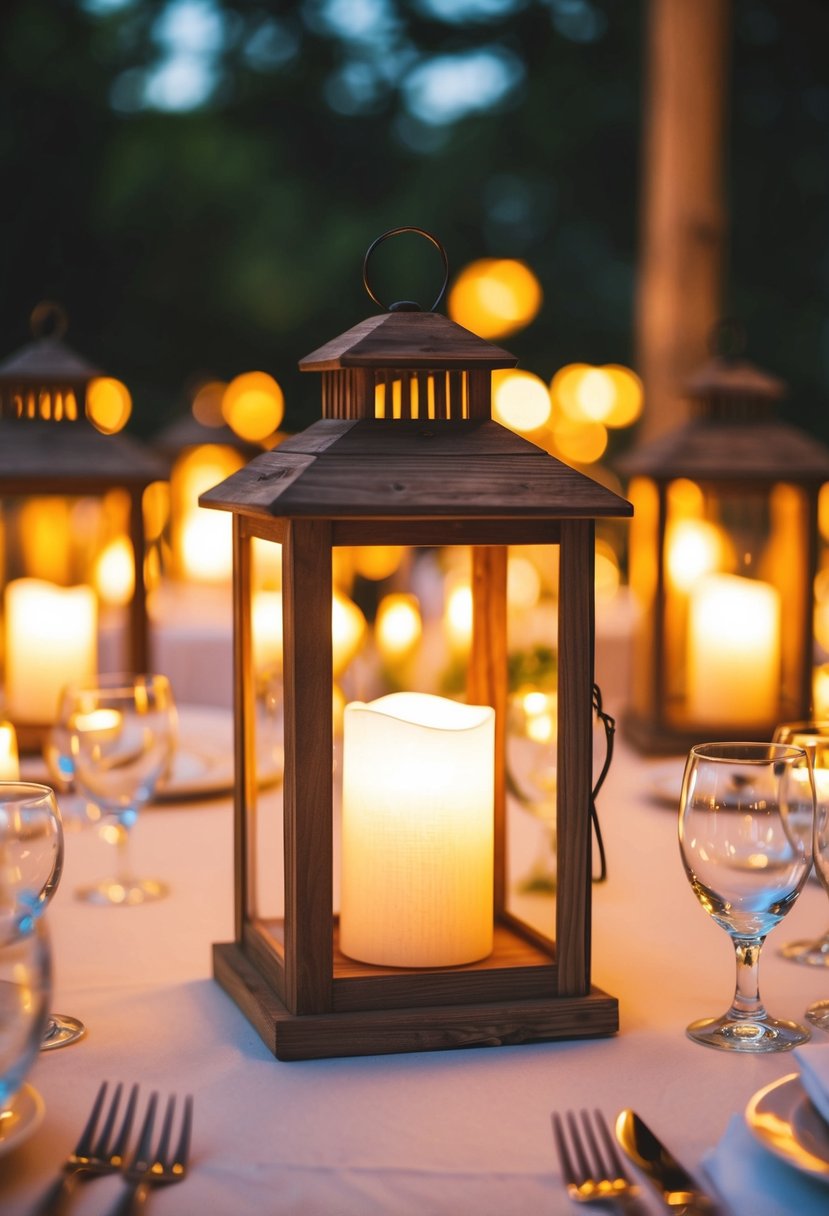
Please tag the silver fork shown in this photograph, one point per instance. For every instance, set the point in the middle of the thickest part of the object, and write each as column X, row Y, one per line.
column 147, row 1168
column 93, row 1155
column 592, row 1167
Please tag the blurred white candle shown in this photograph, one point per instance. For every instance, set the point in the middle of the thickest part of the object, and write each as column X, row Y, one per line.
column 734, row 650
column 9, row 762
column 266, row 628
column 417, row 867
column 51, row 641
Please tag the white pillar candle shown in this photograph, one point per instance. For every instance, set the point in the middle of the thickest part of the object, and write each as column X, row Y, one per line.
column 9, row 762
column 734, row 651
column 51, row 641
column 417, row 851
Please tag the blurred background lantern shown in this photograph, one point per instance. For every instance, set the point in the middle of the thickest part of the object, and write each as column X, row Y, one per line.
column 728, row 565
column 73, row 553
column 407, row 456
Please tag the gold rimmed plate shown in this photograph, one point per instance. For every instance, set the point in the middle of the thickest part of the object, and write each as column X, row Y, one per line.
column 783, row 1119
column 20, row 1119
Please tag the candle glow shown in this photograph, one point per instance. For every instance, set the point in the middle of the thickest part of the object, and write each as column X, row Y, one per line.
column 417, row 862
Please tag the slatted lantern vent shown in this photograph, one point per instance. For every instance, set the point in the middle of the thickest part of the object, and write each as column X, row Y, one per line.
column 725, row 549
column 406, row 454
column 52, row 455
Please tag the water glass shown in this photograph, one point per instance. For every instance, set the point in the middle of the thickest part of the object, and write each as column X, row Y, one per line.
column 746, row 819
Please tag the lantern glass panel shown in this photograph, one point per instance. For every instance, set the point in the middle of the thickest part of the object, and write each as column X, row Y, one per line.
column 733, row 579
column 820, row 681
column 78, row 541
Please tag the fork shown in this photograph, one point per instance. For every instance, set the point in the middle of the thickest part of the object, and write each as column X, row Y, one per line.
column 93, row 1155
column 148, row 1168
column 593, row 1171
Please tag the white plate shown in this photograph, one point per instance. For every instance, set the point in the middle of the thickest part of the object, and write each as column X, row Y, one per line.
column 203, row 765
column 665, row 783
column 784, row 1120
column 20, row 1119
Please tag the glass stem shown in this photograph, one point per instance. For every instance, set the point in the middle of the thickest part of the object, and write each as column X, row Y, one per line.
column 747, row 1005
column 122, row 844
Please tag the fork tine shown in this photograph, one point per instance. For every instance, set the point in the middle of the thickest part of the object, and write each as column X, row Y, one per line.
column 119, row 1148
column 183, row 1147
column 611, row 1147
column 166, row 1128
column 109, row 1123
column 578, row 1145
column 142, row 1153
column 84, row 1146
column 566, row 1160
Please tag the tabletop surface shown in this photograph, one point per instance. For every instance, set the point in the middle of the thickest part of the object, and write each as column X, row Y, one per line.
column 450, row 1132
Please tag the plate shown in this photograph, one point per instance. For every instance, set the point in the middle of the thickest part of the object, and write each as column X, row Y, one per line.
column 784, row 1120
column 665, row 783
column 203, row 765
column 20, row 1119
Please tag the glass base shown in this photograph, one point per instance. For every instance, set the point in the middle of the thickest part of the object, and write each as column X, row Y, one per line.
column 813, row 953
column 61, row 1030
column 127, row 893
column 760, row 1035
column 818, row 1015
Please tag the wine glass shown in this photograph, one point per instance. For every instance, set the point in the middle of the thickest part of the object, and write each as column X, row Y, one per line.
column 31, row 862
column 814, row 737
column 122, row 736
column 746, row 818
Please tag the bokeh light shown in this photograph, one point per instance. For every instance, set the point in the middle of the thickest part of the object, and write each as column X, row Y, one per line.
column 520, row 400
column 579, row 442
column 694, row 548
column 376, row 562
column 607, row 576
column 348, row 629
column 611, row 394
column 253, row 406
column 398, row 626
column 207, row 403
column 114, row 575
column 108, row 404
column 494, row 297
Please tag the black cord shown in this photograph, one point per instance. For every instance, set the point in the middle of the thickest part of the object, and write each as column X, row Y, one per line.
column 609, row 724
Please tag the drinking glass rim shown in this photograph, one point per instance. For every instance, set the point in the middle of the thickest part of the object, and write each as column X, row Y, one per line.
column 115, row 682
column 738, row 752
column 26, row 793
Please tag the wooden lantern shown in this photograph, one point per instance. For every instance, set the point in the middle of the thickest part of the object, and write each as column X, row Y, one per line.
column 50, row 451
column 441, row 473
column 724, row 552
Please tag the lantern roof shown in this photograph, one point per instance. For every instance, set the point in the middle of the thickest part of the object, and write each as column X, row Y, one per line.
column 734, row 434
column 391, row 469
column 407, row 339
column 47, row 360
column 72, row 458
column 725, row 375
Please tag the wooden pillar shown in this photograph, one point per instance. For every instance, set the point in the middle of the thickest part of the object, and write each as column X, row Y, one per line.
column 683, row 214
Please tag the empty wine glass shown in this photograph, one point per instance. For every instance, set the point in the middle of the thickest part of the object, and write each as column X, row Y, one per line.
column 814, row 737
column 31, row 862
column 746, row 819
column 122, row 735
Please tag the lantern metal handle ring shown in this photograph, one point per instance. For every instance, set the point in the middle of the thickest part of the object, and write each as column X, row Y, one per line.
column 48, row 319
column 406, row 305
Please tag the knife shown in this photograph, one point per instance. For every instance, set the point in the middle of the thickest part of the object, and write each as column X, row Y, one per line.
column 676, row 1186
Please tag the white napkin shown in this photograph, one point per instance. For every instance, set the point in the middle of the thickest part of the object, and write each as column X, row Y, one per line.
column 813, row 1062
column 753, row 1182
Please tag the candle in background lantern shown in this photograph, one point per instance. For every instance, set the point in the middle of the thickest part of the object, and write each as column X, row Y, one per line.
column 51, row 641
column 9, row 763
column 734, row 650
column 417, row 867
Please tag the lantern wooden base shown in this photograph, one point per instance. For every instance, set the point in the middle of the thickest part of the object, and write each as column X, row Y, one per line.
column 388, row 1031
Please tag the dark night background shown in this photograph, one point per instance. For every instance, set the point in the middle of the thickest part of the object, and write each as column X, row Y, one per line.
column 198, row 180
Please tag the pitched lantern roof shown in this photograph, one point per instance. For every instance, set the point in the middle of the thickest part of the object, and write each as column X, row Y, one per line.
column 470, row 470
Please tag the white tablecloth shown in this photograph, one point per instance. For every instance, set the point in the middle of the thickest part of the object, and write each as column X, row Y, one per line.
column 445, row 1133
